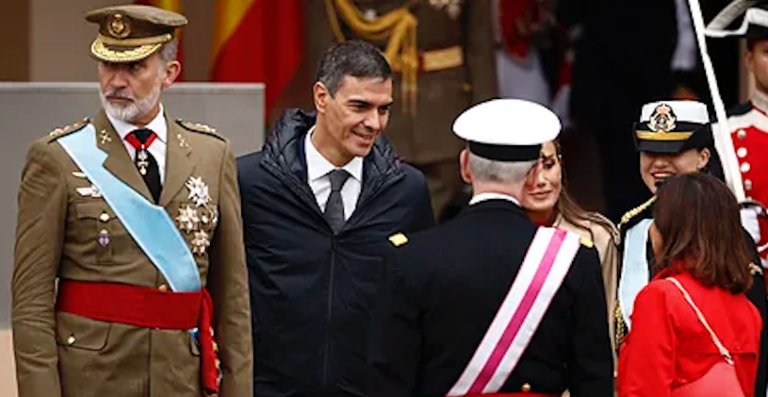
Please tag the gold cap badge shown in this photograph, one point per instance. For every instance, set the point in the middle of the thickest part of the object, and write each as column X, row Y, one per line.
column 663, row 119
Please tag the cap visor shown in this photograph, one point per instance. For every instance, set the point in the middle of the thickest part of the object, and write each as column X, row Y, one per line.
column 119, row 54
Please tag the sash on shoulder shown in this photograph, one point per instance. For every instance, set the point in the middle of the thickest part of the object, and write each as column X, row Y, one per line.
column 149, row 225
column 634, row 268
column 546, row 263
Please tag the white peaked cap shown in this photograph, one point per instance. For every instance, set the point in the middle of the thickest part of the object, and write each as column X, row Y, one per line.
column 507, row 129
column 685, row 111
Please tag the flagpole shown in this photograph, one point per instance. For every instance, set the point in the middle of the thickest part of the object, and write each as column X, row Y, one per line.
column 721, row 131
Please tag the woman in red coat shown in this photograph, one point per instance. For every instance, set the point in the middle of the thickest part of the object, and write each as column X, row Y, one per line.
column 697, row 240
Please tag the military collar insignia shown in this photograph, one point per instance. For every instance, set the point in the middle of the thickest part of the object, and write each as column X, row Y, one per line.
column 663, row 119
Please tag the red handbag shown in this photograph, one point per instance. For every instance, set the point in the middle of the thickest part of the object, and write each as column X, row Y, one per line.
column 721, row 380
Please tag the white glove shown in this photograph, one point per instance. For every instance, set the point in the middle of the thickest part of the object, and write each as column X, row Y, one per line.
column 749, row 221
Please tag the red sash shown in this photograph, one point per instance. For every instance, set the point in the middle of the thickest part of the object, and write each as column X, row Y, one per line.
column 149, row 308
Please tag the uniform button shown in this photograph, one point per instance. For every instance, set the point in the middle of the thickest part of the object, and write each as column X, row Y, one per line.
column 742, row 152
column 745, row 167
column 71, row 340
column 748, row 184
column 526, row 388
column 104, row 217
column 741, row 134
column 615, row 374
column 163, row 288
column 370, row 14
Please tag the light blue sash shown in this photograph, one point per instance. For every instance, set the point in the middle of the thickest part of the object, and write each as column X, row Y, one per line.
column 149, row 225
column 634, row 271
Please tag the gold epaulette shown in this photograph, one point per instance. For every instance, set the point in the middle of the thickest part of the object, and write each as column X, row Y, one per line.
column 198, row 127
column 398, row 239
column 60, row 132
column 587, row 243
column 635, row 211
column 754, row 269
column 620, row 328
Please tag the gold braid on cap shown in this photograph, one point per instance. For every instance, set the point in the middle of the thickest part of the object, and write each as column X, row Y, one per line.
column 635, row 211
column 398, row 27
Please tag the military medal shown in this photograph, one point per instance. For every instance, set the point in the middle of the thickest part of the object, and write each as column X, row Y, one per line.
column 103, row 238
column 200, row 243
column 188, row 219
column 142, row 156
column 198, row 191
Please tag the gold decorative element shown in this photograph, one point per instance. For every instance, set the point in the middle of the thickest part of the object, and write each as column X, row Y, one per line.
column 621, row 327
column 755, row 270
column 182, row 142
column 104, row 136
column 100, row 50
column 526, row 388
column 135, row 42
column 78, row 174
column 446, row 58
column 59, row 132
column 663, row 136
column 188, row 219
column 663, row 119
column 587, row 243
column 398, row 239
column 118, row 26
column 635, row 211
column 198, row 191
column 104, row 217
column 398, row 27
column 71, row 340
column 201, row 242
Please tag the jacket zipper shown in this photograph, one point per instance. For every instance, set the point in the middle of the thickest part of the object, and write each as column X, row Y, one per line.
column 329, row 312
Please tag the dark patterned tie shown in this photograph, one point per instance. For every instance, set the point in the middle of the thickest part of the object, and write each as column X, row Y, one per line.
column 141, row 139
column 334, row 208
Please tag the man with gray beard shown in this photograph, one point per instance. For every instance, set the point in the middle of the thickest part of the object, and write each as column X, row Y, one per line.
column 129, row 275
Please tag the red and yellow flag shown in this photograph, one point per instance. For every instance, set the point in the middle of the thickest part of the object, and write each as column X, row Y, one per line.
column 258, row 41
column 170, row 5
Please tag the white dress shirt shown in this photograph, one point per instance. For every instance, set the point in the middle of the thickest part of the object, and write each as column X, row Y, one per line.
column 318, row 168
column 479, row 198
column 158, row 147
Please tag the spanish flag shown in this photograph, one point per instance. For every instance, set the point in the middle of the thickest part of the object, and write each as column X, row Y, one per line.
column 170, row 5
column 258, row 41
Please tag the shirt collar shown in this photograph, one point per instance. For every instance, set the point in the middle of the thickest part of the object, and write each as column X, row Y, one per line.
column 479, row 198
column 157, row 125
column 318, row 166
column 760, row 100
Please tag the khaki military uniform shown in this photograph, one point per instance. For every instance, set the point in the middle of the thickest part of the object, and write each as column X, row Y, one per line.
column 66, row 231
column 455, row 58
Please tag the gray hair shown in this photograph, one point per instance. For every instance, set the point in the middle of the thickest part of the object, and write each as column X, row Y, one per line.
column 169, row 50
column 508, row 172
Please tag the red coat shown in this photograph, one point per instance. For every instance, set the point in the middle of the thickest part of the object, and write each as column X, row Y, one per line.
column 749, row 132
column 668, row 347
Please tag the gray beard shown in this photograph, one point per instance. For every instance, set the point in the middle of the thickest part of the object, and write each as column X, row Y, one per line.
column 134, row 110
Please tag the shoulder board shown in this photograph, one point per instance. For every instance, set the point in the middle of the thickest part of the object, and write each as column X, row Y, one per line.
column 635, row 212
column 60, row 132
column 398, row 239
column 754, row 269
column 197, row 127
column 587, row 243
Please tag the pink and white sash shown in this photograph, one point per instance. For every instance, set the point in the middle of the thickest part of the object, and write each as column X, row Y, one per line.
column 546, row 263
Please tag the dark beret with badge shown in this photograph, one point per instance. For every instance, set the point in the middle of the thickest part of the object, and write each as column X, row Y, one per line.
column 130, row 33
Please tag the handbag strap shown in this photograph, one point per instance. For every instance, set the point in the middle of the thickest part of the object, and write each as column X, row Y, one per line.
column 723, row 351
